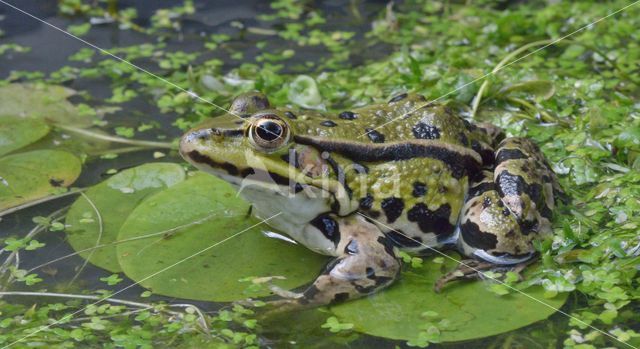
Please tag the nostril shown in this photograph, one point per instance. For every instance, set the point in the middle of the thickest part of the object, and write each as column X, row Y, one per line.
column 203, row 134
column 194, row 136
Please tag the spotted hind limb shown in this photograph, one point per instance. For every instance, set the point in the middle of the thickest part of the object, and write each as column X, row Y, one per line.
column 492, row 235
column 365, row 263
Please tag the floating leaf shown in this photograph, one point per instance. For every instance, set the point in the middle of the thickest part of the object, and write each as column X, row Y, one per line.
column 212, row 212
column 305, row 93
column 47, row 102
column 32, row 175
column 16, row 132
column 115, row 198
column 471, row 309
column 542, row 89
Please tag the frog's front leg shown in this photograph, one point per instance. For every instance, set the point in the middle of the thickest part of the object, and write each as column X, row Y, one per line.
column 365, row 263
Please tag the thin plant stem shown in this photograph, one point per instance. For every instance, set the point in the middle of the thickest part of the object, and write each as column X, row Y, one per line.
column 114, row 139
column 543, row 114
column 485, row 84
column 118, row 151
column 102, row 316
column 40, row 201
column 100, row 232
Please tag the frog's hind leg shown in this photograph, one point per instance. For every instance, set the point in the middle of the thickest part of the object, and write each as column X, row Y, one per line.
column 508, row 208
column 366, row 263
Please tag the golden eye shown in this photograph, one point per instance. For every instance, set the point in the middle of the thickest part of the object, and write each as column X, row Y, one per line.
column 268, row 133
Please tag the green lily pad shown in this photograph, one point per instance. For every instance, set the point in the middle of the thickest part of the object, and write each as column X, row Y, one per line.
column 46, row 102
column 212, row 275
column 472, row 311
column 16, row 132
column 32, row 175
column 115, row 198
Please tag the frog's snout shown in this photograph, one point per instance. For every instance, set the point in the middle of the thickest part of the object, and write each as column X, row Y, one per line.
column 192, row 139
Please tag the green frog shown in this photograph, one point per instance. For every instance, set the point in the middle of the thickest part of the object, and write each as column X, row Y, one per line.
column 344, row 186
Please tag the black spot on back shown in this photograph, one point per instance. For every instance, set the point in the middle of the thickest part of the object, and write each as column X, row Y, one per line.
column 392, row 208
column 366, row 202
column 428, row 221
column 374, row 136
column 419, row 189
column 424, row 131
column 398, row 98
column 290, row 115
column 347, row 115
column 328, row 123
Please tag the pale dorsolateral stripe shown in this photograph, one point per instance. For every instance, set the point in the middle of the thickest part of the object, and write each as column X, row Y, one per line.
column 68, row 316
column 498, row 281
column 408, row 114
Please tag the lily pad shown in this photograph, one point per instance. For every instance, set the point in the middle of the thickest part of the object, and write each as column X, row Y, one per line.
column 115, row 198
column 46, row 102
column 32, row 175
column 471, row 310
column 213, row 274
column 16, row 132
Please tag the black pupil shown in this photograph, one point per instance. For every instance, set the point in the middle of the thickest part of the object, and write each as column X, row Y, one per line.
column 269, row 131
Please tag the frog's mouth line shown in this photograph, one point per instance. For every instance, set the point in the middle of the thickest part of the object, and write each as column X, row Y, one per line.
column 271, row 182
column 240, row 178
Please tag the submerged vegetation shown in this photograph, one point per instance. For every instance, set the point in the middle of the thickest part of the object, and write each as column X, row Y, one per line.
column 88, row 160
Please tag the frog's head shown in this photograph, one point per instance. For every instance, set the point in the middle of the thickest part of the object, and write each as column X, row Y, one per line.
column 250, row 139
column 255, row 149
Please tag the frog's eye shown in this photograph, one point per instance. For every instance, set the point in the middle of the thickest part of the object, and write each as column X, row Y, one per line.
column 268, row 133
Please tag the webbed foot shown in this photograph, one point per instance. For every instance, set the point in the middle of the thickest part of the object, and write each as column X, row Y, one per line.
column 467, row 269
column 474, row 269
